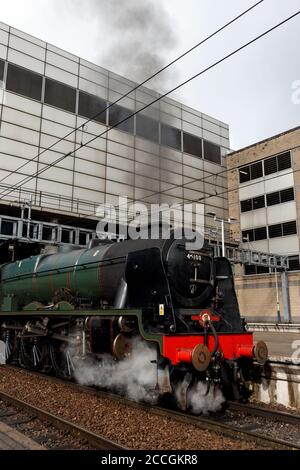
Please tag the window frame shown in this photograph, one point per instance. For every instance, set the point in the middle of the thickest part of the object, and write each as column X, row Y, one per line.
column 250, row 201
column 213, row 147
column 188, row 147
column 297, row 259
column 281, row 155
column 262, row 198
column 258, row 239
column 126, row 126
column 272, row 227
column 2, row 70
column 168, row 129
column 256, row 165
column 62, row 87
column 250, row 232
column 242, row 174
column 275, row 193
column 286, row 190
column 286, row 224
column 84, row 95
column 12, row 76
column 152, row 122
column 270, row 171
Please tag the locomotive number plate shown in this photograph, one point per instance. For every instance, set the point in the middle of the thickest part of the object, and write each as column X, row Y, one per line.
column 193, row 257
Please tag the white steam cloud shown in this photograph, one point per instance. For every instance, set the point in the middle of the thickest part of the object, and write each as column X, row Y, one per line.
column 202, row 402
column 135, row 376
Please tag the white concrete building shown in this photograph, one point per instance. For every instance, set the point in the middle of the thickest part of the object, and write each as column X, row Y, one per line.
column 45, row 93
column 263, row 183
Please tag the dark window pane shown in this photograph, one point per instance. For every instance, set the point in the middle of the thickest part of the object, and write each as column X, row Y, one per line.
column 47, row 233
column 284, row 161
column 256, row 170
column 192, row 145
column 270, row 165
column 24, row 82
column 82, row 238
column 246, row 206
column 289, row 228
column 33, row 230
column 171, row 137
column 59, row 95
column 262, row 270
column 287, row 195
column 147, row 127
column 244, row 174
column 212, row 152
column 118, row 114
column 273, row 199
column 67, row 236
column 7, row 227
column 275, row 231
column 250, row 269
column 260, row 233
column 258, row 202
column 294, row 264
column 248, row 235
column 1, row 70
column 90, row 106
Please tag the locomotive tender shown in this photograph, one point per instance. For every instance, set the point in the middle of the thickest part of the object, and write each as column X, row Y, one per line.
column 98, row 300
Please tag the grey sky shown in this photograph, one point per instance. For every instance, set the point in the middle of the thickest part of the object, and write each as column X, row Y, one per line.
column 252, row 91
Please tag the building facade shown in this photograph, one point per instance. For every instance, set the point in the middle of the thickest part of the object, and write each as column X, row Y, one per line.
column 264, row 196
column 168, row 153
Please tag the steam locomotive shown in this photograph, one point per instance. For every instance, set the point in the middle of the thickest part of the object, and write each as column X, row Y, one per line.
column 97, row 301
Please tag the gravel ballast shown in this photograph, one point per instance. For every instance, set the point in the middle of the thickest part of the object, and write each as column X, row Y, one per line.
column 131, row 427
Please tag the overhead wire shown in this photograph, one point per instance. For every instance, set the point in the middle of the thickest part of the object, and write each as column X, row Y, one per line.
column 151, row 77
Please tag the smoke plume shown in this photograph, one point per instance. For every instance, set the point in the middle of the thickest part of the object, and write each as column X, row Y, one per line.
column 134, row 376
column 134, row 36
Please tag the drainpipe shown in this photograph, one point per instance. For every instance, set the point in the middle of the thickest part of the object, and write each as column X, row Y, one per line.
column 277, row 298
column 287, row 318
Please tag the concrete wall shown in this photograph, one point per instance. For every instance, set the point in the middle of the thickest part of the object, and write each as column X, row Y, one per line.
column 257, row 297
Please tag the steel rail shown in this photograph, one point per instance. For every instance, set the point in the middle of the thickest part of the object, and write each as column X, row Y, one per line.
column 263, row 412
column 97, row 441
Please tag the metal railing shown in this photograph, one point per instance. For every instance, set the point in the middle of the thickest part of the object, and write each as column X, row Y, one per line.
column 14, row 228
column 49, row 200
column 18, row 228
column 246, row 257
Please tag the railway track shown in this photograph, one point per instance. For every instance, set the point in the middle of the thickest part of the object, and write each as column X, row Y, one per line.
column 264, row 412
column 242, row 421
column 32, row 413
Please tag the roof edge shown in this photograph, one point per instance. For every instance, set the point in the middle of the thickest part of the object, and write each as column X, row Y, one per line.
column 263, row 141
